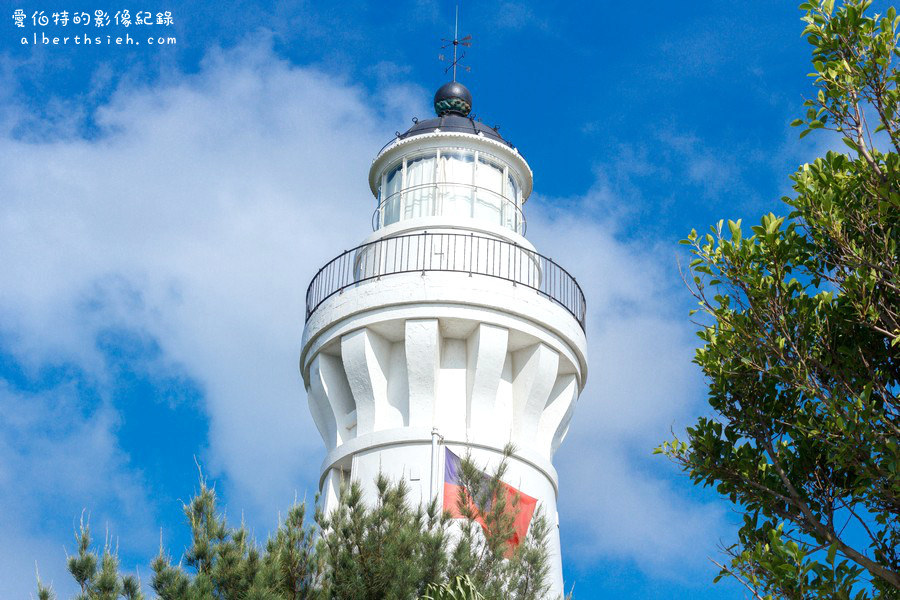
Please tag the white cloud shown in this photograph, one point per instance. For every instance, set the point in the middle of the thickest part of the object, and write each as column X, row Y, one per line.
column 200, row 214
column 57, row 453
column 212, row 200
column 712, row 172
column 621, row 502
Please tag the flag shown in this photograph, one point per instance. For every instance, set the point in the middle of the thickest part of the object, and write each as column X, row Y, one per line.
column 453, row 488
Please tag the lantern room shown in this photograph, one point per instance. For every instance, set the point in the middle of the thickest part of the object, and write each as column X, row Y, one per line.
column 453, row 169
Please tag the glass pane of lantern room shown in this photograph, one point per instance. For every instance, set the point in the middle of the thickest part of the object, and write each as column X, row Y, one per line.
column 513, row 214
column 455, row 178
column 419, row 193
column 489, row 190
column 390, row 197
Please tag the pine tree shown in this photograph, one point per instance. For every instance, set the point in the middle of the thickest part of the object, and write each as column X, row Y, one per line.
column 391, row 549
column 483, row 551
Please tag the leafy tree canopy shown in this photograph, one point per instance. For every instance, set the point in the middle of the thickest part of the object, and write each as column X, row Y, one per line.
column 801, row 340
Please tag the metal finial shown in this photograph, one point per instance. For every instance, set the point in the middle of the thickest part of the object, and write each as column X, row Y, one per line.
column 456, row 42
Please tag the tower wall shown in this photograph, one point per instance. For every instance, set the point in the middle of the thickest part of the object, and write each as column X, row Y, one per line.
column 472, row 362
column 445, row 328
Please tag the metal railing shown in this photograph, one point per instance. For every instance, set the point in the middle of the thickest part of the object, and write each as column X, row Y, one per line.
column 447, row 252
column 449, row 199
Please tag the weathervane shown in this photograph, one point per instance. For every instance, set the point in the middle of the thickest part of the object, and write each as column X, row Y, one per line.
column 456, row 42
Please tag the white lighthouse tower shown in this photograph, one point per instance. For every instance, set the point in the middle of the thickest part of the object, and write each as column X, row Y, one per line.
column 445, row 326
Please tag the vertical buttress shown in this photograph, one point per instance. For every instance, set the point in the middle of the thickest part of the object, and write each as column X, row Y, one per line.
column 534, row 373
column 423, row 364
column 486, row 353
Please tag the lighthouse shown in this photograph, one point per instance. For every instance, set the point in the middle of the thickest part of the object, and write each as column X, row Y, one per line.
column 445, row 328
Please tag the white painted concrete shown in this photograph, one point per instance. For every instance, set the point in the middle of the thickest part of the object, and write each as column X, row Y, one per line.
column 443, row 224
column 453, row 295
column 423, row 357
column 401, row 365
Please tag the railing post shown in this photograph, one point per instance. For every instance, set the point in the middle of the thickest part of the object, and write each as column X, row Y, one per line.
column 515, row 261
column 470, row 244
column 424, row 242
column 380, row 256
column 341, row 270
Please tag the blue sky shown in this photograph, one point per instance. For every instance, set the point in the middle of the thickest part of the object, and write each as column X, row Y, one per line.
column 164, row 207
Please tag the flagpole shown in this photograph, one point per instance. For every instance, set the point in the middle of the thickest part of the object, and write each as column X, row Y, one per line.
column 435, row 457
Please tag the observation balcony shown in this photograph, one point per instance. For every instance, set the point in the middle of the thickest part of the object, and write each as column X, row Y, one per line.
column 426, row 252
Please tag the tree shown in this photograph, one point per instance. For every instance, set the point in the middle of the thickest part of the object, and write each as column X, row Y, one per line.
column 801, row 341
column 483, row 553
column 463, row 588
column 387, row 550
column 97, row 575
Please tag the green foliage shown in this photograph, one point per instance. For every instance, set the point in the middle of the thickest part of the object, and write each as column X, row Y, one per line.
column 483, row 552
column 43, row 591
column 97, row 576
column 386, row 549
column 227, row 563
column 462, row 588
column 802, row 349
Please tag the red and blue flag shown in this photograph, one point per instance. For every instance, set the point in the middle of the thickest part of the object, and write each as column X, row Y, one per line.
column 453, row 487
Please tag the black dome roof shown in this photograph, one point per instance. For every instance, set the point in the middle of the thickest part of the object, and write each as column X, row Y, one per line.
column 455, row 123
